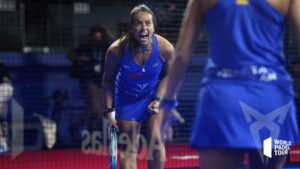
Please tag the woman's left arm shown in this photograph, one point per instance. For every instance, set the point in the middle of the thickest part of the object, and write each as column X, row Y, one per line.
column 167, row 53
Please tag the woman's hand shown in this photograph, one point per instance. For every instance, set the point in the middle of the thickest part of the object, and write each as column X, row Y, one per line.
column 170, row 116
column 111, row 121
column 153, row 107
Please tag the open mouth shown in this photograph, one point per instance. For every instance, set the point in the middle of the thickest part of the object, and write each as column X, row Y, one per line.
column 144, row 36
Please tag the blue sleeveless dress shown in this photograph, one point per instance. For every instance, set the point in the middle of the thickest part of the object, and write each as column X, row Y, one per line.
column 245, row 95
column 136, row 88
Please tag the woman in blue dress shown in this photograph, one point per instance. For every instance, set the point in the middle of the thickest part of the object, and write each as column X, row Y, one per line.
column 245, row 97
column 135, row 76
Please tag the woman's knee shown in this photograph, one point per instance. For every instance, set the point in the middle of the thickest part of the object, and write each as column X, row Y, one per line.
column 154, row 133
column 127, row 145
column 128, row 136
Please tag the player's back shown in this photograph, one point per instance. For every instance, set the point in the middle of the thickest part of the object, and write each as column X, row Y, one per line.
column 244, row 33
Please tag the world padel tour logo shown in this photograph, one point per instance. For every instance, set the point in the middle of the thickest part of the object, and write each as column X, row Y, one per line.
column 276, row 147
column 266, row 121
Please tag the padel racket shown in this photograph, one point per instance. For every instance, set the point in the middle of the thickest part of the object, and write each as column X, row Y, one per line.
column 113, row 149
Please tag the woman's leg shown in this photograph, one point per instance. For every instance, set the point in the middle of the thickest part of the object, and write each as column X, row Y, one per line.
column 129, row 142
column 156, row 148
column 221, row 158
column 255, row 162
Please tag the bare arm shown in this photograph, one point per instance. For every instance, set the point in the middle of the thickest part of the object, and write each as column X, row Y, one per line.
column 188, row 34
column 167, row 52
column 111, row 66
column 294, row 17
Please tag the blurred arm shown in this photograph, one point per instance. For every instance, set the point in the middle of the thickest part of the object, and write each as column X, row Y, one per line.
column 189, row 31
column 167, row 52
column 294, row 17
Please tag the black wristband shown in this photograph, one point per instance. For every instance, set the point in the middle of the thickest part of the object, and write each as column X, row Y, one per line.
column 157, row 98
column 168, row 104
column 108, row 110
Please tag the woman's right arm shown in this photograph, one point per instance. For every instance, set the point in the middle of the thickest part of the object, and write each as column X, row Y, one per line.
column 294, row 17
column 110, row 70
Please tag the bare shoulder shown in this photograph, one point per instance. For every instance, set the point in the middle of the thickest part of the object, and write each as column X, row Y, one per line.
column 166, row 48
column 281, row 6
column 116, row 48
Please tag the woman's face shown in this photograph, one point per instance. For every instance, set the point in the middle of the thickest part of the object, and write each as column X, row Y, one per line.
column 143, row 28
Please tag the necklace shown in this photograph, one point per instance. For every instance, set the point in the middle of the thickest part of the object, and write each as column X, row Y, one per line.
column 141, row 63
column 139, row 56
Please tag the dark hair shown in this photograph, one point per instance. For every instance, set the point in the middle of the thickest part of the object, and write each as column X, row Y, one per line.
column 142, row 8
column 139, row 8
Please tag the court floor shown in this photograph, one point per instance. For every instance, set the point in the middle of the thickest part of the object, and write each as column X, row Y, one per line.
column 178, row 157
